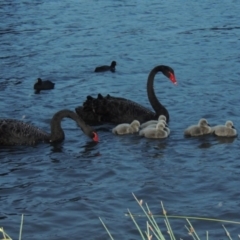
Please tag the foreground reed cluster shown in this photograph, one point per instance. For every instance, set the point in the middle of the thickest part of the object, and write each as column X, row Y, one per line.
column 153, row 230
column 5, row 236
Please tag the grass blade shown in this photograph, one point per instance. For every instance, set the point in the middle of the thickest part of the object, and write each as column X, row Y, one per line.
column 21, row 227
column 106, row 229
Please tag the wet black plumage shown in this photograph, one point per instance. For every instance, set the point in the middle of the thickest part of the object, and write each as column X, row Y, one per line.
column 16, row 132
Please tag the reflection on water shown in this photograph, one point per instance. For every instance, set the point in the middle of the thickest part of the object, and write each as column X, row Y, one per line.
column 223, row 140
column 205, row 145
column 209, row 140
column 90, row 150
column 56, row 147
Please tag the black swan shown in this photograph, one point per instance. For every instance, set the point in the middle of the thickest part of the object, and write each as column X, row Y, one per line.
column 106, row 68
column 15, row 132
column 120, row 110
column 43, row 85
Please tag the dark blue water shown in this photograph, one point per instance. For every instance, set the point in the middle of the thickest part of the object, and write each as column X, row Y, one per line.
column 63, row 189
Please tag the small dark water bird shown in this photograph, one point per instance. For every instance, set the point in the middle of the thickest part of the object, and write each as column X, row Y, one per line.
column 16, row 132
column 43, row 85
column 118, row 110
column 106, row 68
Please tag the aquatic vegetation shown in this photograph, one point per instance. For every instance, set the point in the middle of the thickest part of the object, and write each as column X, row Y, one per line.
column 153, row 229
column 7, row 237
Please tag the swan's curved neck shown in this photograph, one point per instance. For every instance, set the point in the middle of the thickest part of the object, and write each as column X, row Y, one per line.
column 57, row 133
column 156, row 105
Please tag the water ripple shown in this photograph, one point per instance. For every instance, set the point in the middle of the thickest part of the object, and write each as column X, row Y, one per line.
column 77, row 181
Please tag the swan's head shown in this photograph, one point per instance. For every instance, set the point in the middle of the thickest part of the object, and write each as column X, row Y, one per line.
column 169, row 73
column 203, row 122
column 229, row 124
column 113, row 64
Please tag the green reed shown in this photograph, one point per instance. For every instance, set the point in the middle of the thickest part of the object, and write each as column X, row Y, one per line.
column 153, row 229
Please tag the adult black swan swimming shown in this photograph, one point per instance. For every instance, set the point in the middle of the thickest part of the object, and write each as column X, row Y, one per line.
column 15, row 132
column 111, row 109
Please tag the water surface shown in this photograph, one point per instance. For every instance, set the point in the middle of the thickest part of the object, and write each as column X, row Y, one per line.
column 62, row 189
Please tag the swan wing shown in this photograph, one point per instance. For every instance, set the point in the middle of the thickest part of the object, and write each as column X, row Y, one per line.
column 116, row 110
column 15, row 132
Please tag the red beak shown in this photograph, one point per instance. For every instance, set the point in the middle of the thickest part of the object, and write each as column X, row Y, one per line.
column 95, row 137
column 172, row 78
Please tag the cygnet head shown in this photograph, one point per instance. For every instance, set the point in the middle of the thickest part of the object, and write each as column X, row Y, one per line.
column 229, row 124
column 135, row 123
column 162, row 117
column 134, row 126
column 203, row 122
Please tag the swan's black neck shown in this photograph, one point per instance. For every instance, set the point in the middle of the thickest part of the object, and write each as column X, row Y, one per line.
column 57, row 133
column 157, row 106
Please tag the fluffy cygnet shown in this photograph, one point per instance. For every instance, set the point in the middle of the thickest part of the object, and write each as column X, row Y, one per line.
column 200, row 129
column 154, row 125
column 226, row 130
column 161, row 117
column 157, row 132
column 126, row 128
